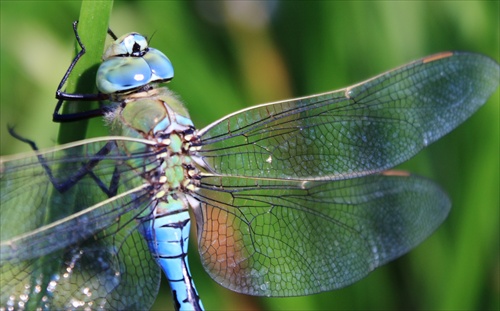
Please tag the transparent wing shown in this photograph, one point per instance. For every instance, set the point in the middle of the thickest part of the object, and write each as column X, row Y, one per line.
column 365, row 128
column 289, row 238
column 69, row 235
column 113, row 270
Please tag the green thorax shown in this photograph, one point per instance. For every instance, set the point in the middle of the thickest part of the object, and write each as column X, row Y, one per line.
column 150, row 114
column 158, row 116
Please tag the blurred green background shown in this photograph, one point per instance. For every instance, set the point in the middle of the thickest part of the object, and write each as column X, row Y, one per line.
column 228, row 56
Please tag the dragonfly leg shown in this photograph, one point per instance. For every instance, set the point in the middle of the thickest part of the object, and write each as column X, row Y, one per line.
column 112, row 189
column 85, row 169
column 63, row 96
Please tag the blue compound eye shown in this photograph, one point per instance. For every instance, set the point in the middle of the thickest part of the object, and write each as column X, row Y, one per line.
column 161, row 67
column 122, row 73
column 129, row 64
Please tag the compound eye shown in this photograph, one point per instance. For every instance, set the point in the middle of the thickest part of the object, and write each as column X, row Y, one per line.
column 161, row 67
column 122, row 73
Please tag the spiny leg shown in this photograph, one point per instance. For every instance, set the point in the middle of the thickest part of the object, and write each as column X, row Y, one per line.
column 85, row 169
column 63, row 96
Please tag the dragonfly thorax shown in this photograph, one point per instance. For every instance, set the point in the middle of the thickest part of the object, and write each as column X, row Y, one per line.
column 152, row 114
column 158, row 116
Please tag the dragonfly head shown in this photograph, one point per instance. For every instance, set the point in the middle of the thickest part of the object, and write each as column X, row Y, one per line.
column 129, row 64
column 129, row 45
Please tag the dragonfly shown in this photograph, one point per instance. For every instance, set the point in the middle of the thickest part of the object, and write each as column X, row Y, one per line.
column 289, row 198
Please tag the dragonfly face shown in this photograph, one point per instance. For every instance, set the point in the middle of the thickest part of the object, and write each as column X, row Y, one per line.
column 129, row 64
column 290, row 198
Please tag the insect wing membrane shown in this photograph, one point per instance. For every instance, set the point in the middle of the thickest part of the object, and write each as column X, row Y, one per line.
column 89, row 253
column 290, row 238
column 365, row 128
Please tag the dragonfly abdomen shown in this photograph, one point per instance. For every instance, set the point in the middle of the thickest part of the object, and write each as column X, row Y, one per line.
column 167, row 237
